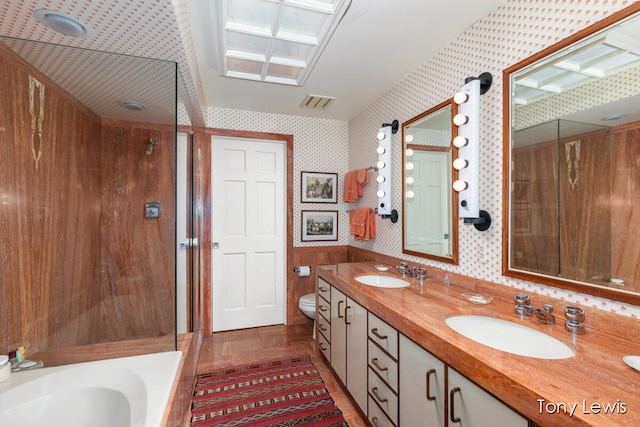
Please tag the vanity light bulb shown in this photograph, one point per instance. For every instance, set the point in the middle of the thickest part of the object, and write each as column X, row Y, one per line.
column 409, row 166
column 409, row 194
column 380, row 179
column 459, row 164
column 409, row 180
column 460, row 98
column 460, row 141
column 380, row 136
column 460, row 119
column 408, row 138
column 408, row 152
column 460, row 185
column 380, row 164
column 380, row 193
column 380, row 150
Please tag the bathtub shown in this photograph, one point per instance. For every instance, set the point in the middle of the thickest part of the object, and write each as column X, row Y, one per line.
column 129, row 391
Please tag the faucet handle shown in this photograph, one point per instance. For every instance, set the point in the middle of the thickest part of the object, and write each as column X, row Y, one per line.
column 421, row 272
column 521, row 299
column 548, row 308
column 575, row 313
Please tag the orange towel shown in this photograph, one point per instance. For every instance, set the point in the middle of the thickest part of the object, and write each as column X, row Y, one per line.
column 350, row 193
column 363, row 223
column 354, row 182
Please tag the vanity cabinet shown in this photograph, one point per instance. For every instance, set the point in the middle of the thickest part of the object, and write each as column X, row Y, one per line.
column 471, row 406
column 422, row 386
column 349, row 345
column 423, row 400
column 383, row 372
column 323, row 333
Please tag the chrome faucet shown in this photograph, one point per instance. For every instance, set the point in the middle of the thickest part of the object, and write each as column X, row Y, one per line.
column 419, row 273
column 405, row 270
column 522, row 307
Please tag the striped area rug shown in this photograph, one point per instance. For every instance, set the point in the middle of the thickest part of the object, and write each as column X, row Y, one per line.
column 270, row 393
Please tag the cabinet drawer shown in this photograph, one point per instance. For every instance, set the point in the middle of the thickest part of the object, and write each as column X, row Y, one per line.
column 324, row 308
column 383, row 396
column 324, row 290
column 324, row 327
column 325, row 347
column 376, row 416
column 384, row 335
column 383, row 365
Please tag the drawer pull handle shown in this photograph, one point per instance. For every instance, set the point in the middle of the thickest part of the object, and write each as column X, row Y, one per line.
column 340, row 316
column 322, row 347
column 323, row 308
column 323, row 328
column 323, row 289
column 375, row 363
column 374, row 331
column 452, row 413
column 429, row 373
column 374, row 421
column 374, row 391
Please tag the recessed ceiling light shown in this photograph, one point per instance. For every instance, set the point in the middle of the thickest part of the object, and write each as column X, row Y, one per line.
column 62, row 23
column 132, row 105
column 617, row 116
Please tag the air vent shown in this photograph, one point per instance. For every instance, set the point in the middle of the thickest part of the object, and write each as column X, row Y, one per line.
column 317, row 102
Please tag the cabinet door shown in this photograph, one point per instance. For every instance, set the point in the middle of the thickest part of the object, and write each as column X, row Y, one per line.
column 356, row 320
column 422, row 386
column 471, row 406
column 338, row 334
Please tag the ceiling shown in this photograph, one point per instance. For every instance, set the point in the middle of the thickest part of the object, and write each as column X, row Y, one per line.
column 374, row 47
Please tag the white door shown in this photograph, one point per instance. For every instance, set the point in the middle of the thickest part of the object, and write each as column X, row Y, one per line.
column 429, row 231
column 248, row 233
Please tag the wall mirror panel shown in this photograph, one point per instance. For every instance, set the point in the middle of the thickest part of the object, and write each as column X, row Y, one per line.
column 572, row 162
column 427, row 197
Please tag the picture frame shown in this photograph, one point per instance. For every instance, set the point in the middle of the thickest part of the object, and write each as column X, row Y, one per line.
column 319, row 226
column 318, row 187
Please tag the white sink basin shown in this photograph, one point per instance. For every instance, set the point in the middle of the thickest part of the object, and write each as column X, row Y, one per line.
column 510, row 337
column 382, row 281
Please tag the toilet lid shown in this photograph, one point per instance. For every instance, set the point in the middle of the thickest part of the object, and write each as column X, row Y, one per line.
column 309, row 299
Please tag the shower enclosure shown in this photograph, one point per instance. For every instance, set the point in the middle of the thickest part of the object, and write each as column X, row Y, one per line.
column 91, row 263
column 561, row 200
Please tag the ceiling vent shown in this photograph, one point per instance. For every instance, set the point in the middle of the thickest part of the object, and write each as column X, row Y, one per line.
column 317, row 102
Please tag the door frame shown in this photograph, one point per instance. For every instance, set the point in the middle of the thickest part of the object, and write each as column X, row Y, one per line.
column 202, row 139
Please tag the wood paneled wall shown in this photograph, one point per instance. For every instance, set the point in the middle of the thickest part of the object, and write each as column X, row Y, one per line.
column 69, row 186
column 138, row 254
column 50, row 184
column 625, row 212
column 586, row 236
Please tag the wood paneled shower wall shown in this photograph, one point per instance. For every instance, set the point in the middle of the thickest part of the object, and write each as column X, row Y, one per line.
column 80, row 263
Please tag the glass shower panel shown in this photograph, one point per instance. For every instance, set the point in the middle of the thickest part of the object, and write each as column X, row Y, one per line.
column 87, row 202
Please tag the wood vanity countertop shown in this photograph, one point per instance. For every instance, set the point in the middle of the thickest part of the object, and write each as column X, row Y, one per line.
column 595, row 378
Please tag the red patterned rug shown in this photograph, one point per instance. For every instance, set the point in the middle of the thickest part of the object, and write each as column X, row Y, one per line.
column 271, row 393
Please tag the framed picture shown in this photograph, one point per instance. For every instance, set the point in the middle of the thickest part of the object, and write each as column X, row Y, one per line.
column 319, row 225
column 318, row 187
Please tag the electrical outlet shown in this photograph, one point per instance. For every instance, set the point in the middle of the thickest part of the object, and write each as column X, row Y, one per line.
column 482, row 256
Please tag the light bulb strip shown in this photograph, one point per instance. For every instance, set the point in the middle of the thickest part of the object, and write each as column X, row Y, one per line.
column 384, row 170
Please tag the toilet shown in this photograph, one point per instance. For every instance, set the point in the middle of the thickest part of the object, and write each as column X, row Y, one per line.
column 307, row 305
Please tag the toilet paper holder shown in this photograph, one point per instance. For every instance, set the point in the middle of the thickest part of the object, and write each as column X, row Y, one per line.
column 297, row 269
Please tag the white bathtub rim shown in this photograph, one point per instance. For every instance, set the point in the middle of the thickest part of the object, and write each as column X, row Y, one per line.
column 154, row 372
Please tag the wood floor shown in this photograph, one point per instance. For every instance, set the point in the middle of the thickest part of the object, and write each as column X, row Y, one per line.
column 223, row 349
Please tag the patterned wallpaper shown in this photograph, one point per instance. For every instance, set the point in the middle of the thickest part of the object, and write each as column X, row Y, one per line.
column 512, row 32
column 320, row 145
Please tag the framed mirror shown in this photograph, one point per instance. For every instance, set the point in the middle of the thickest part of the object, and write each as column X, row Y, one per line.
column 572, row 162
column 429, row 205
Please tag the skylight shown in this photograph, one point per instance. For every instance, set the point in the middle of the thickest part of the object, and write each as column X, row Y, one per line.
column 275, row 41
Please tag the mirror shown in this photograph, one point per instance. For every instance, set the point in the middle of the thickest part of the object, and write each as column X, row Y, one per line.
column 429, row 205
column 572, row 162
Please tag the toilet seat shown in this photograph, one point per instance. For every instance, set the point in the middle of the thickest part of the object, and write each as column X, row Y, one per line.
column 308, row 300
